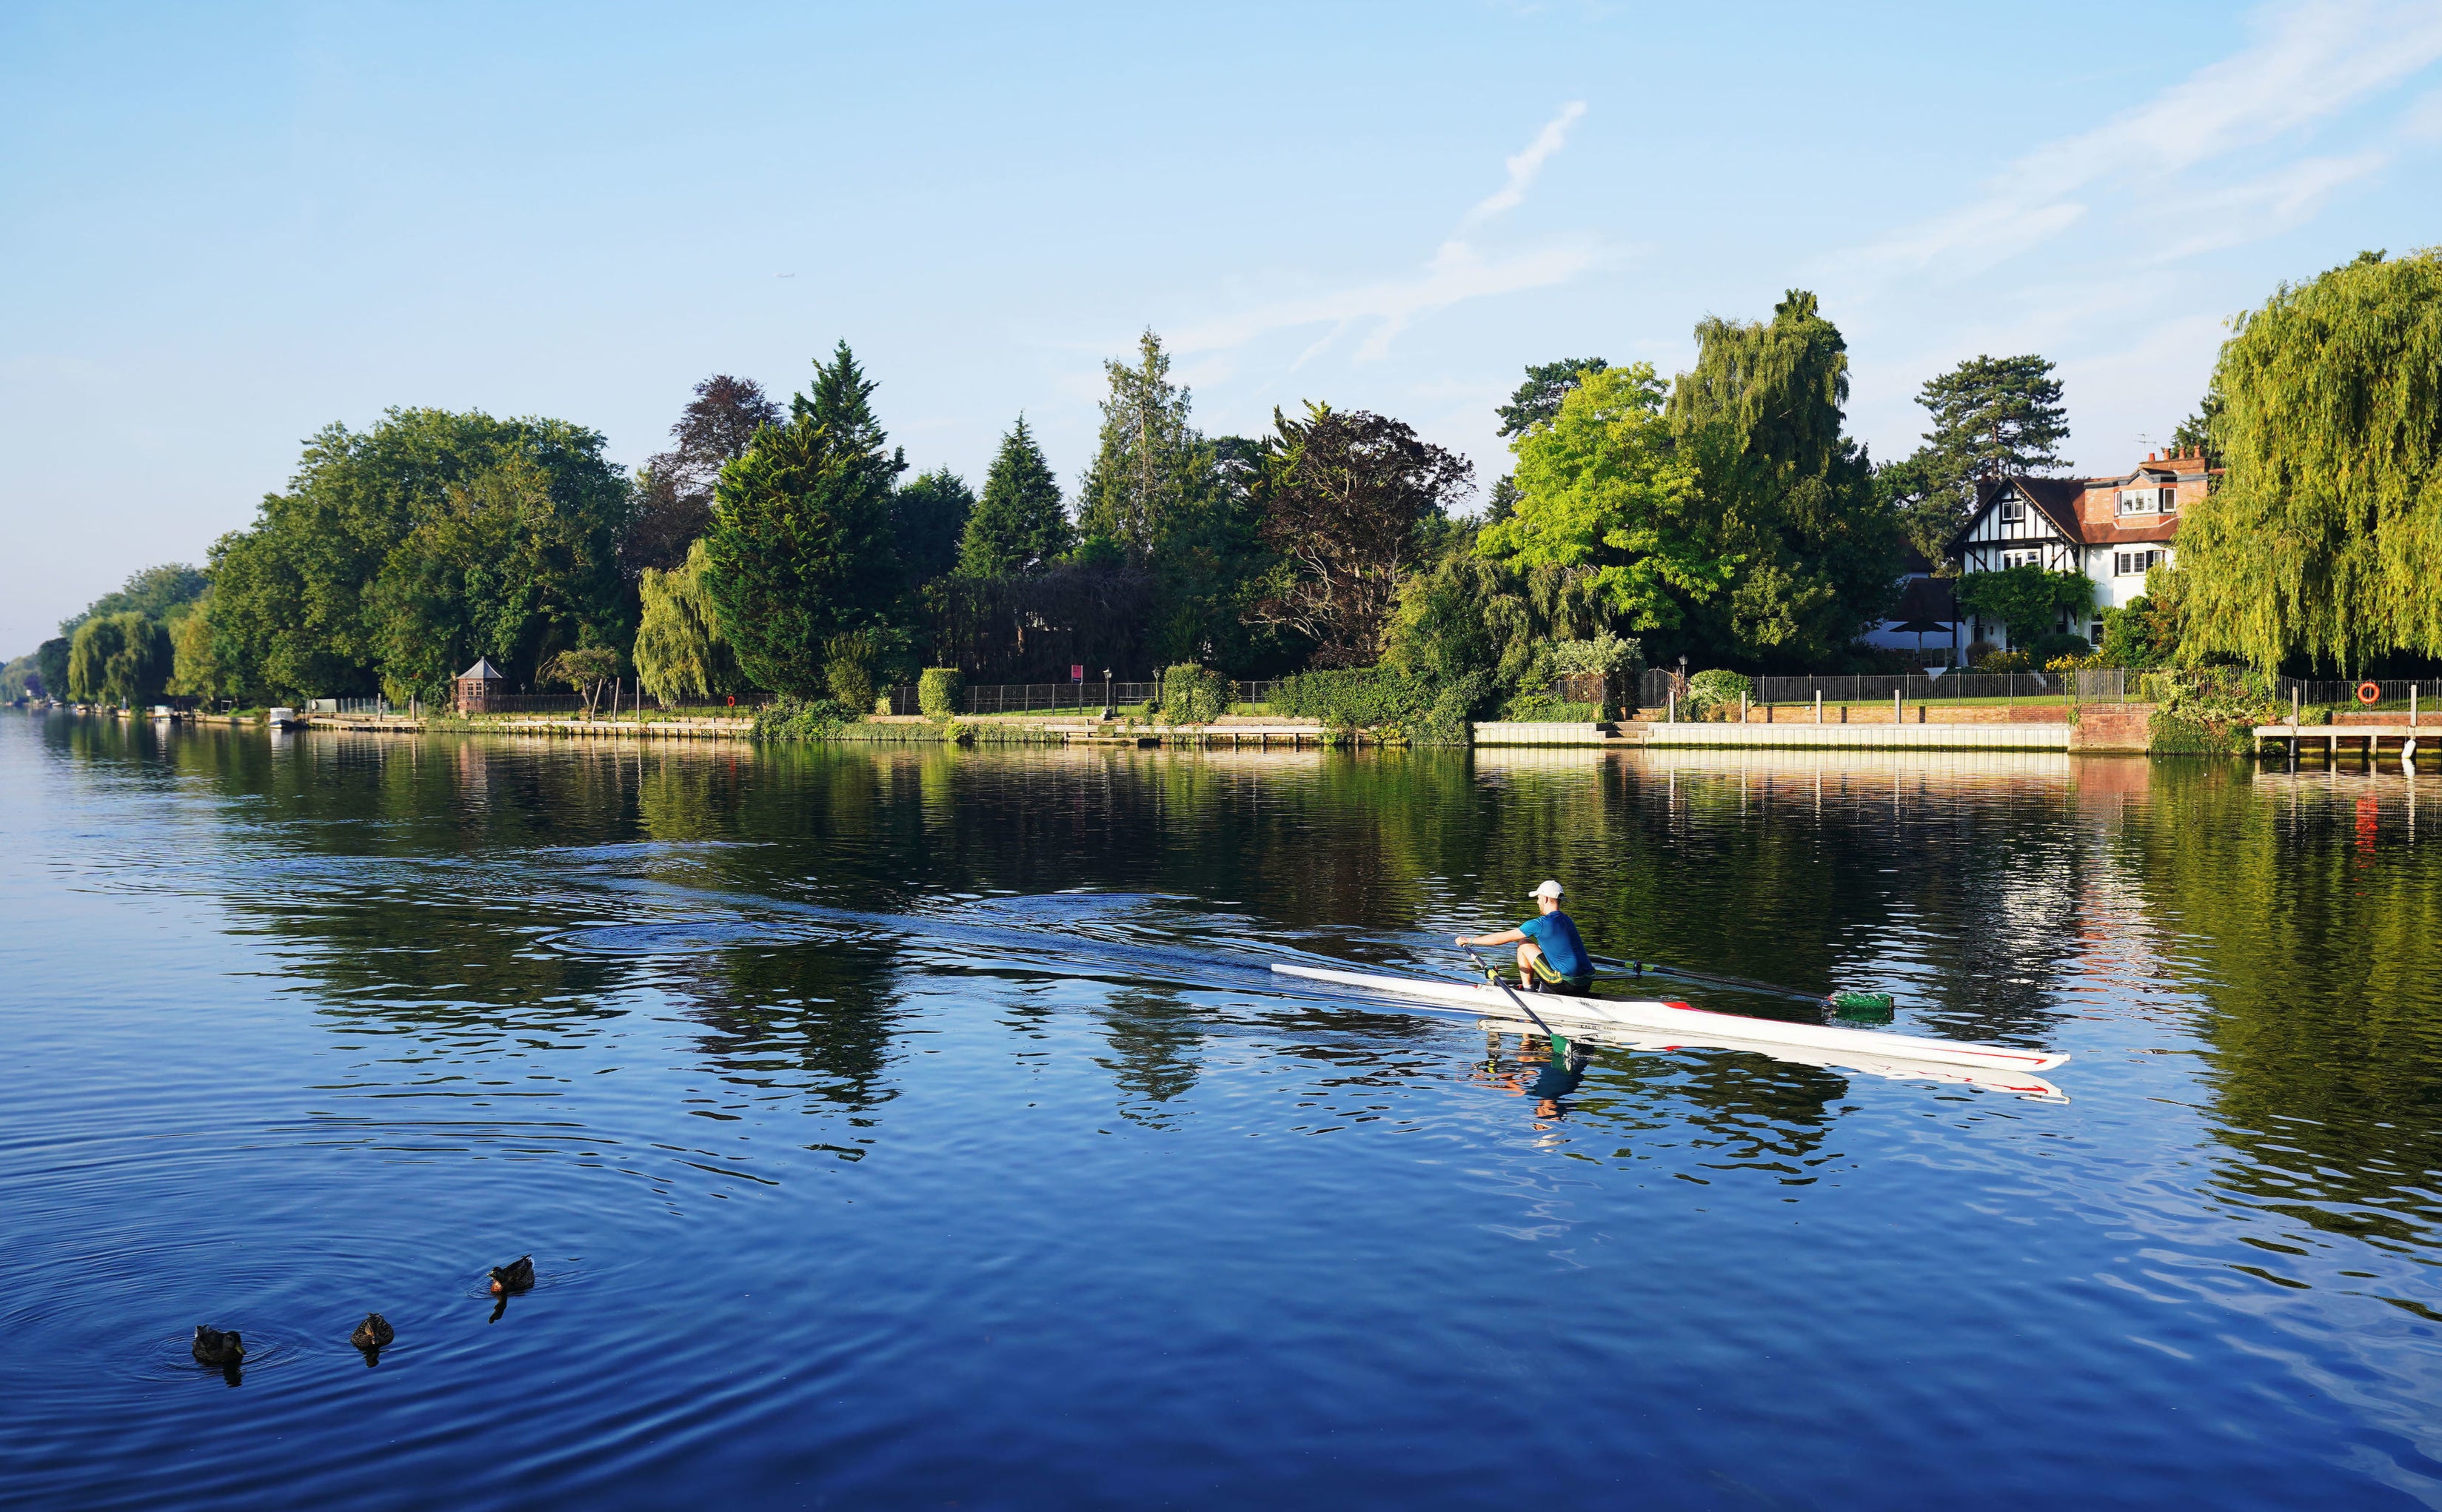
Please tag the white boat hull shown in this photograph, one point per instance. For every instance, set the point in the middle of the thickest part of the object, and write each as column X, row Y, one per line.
column 1676, row 1022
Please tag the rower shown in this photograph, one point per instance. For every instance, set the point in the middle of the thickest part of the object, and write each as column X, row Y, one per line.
column 1551, row 958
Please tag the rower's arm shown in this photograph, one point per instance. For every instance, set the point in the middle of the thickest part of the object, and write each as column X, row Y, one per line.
column 1508, row 937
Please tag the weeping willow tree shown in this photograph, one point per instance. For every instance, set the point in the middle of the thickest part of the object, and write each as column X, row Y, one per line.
column 2326, row 540
column 681, row 652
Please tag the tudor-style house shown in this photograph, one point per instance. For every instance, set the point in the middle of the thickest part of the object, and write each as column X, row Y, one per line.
column 2111, row 529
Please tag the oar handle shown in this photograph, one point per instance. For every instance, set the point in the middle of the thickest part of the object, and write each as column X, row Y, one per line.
column 1506, row 988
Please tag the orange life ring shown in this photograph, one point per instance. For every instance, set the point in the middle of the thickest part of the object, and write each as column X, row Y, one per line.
column 733, row 700
column 2369, row 693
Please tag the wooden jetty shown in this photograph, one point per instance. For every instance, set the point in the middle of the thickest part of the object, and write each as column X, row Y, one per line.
column 2404, row 738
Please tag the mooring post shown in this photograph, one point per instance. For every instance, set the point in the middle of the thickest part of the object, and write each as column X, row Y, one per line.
column 1818, row 705
column 1670, row 708
column 1895, row 705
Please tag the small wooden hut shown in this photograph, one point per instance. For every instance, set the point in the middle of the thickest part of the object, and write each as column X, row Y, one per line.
column 479, row 687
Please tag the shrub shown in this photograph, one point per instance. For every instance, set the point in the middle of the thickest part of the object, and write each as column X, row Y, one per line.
column 2207, row 710
column 2045, row 650
column 1193, row 695
column 793, row 718
column 1398, row 706
column 2006, row 662
column 1708, row 691
column 1542, row 708
column 938, row 692
column 847, row 669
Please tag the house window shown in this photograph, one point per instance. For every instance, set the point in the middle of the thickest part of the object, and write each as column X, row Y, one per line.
column 2170, row 500
column 2010, row 559
column 2131, row 564
column 2013, row 510
column 2149, row 501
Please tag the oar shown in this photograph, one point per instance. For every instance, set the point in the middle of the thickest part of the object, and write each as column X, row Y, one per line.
column 1494, row 977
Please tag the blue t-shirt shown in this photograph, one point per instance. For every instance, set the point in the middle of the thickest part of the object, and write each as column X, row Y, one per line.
column 1556, row 933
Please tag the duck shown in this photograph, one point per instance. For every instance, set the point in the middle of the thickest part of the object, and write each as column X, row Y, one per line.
column 213, row 1347
column 518, row 1275
column 373, row 1333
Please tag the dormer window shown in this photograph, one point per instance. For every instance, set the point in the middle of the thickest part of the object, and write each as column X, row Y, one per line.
column 2149, row 501
column 2013, row 510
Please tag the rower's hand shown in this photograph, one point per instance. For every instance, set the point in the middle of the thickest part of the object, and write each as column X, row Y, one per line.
column 1461, row 941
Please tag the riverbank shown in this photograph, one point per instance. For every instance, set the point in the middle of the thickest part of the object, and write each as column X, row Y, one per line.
column 2091, row 728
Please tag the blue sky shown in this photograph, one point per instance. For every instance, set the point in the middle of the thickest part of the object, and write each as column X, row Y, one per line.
column 223, row 227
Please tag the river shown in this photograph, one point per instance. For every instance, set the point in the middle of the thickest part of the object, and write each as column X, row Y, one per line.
column 897, row 1127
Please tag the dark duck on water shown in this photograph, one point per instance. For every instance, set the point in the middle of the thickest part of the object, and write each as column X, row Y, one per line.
column 518, row 1275
column 213, row 1347
column 373, row 1333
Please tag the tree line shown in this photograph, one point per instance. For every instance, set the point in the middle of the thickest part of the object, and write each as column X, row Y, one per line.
column 1724, row 515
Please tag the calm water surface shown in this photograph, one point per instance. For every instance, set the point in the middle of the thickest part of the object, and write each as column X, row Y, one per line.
column 895, row 1128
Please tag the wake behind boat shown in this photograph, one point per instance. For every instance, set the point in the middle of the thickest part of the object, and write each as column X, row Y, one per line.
column 1677, row 1023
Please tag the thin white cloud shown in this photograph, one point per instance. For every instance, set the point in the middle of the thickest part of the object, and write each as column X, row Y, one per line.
column 2422, row 121
column 1524, row 166
column 2272, row 203
column 2310, row 61
column 1457, row 272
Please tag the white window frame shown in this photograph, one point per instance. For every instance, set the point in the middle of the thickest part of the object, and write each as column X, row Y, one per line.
column 2013, row 510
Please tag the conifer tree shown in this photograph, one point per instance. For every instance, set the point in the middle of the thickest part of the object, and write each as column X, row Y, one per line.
column 1020, row 524
column 1993, row 418
column 928, row 520
column 800, row 551
column 1538, row 398
column 1153, row 472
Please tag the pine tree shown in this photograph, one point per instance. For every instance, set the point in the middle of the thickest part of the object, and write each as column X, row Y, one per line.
column 1993, row 418
column 1020, row 524
column 1538, row 398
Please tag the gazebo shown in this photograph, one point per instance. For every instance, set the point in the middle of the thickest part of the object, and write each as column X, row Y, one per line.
column 479, row 686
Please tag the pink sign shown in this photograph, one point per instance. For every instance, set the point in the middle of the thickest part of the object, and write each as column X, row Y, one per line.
column 1076, row 672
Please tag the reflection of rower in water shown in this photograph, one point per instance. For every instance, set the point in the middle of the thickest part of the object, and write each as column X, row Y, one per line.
column 1557, row 1073
column 1551, row 958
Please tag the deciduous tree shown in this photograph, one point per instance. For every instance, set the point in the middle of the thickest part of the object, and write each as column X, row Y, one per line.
column 319, row 595
column 588, row 669
column 2028, row 599
column 1788, row 501
column 681, row 652
column 674, row 487
column 1341, row 494
column 2325, row 540
column 1601, row 489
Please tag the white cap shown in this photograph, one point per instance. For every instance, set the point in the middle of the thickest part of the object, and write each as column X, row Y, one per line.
column 1549, row 889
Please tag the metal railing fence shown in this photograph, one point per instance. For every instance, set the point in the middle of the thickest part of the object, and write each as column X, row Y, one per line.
column 1054, row 698
column 2391, row 693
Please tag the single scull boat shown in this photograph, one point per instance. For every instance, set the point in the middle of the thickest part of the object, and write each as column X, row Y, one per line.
column 1676, row 1021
